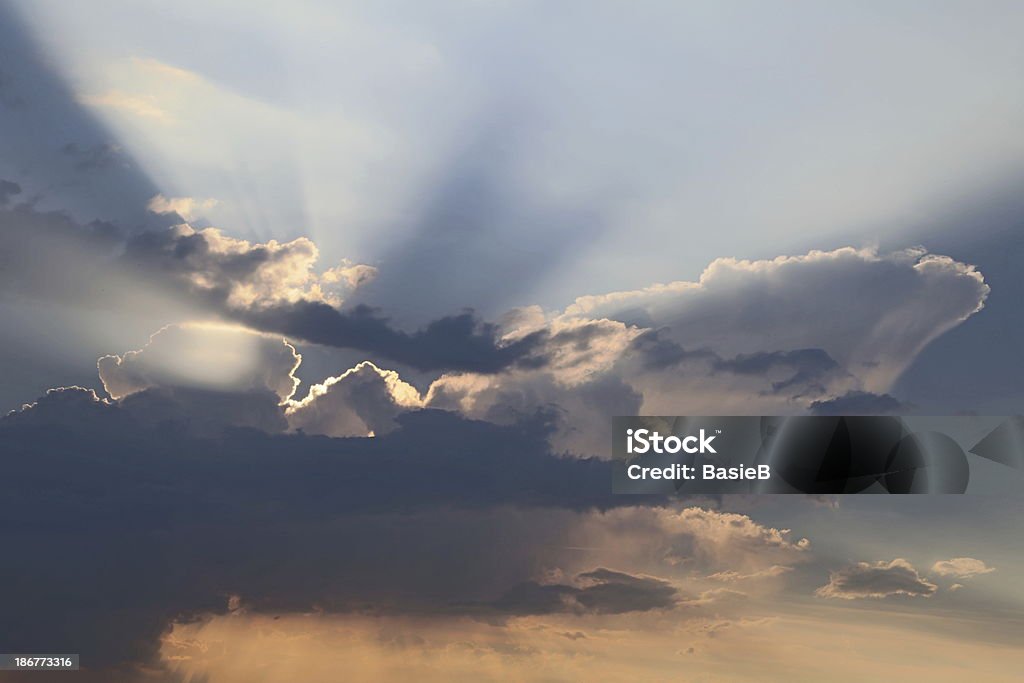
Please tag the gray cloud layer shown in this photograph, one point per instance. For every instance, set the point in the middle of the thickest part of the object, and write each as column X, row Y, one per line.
column 162, row 522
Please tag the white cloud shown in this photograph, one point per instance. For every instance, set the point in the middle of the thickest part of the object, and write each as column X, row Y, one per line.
column 961, row 567
column 871, row 312
column 352, row 275
column 204, row 356
column 186, row 207
column 361, row 401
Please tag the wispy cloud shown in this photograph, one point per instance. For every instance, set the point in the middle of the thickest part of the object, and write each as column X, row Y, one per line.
column 145, row 106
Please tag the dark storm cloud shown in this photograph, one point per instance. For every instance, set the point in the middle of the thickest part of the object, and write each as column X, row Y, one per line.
column 861, row 403
column 877, row 580
column 202, row 412
column 458, row 342
column 601, row 591
column 124, row 520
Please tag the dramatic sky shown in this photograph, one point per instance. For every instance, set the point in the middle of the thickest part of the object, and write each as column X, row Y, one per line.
column 315, row 314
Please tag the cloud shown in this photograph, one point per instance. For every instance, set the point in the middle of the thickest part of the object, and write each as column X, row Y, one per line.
column 215, row 357
column 218, row 364
column 601, row 591
column 469, row 450
column 582, row 413
column 772, row 572
column 877, row 580
column 167, row 521
column 74, row 408
column 360, row 402
column 186, row 207
column 669, row 349
column 673, row 345
column 860, row 403
column 352, row 275
column 696, row 538
column 573, row 376
column 178, row 517
column 205, row 412
column 674, row 349
column 802, row 366
column 231, row 274
column 457, row 342
column 580, row 370
column 872, row 312
column 646, row 646
column 175, row 525
column 725, row 538
column 271, row 287
column 961, row 567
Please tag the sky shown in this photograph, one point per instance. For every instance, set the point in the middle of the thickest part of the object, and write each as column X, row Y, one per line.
column 316, row 314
